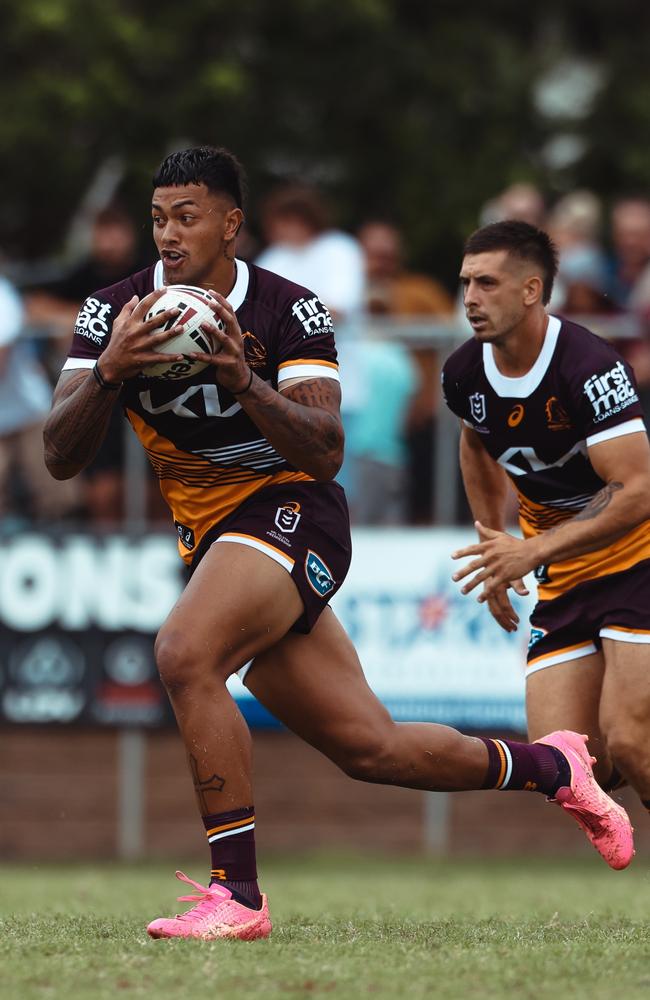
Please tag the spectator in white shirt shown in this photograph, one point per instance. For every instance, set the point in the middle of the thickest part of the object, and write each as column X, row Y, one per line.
column 303, row 247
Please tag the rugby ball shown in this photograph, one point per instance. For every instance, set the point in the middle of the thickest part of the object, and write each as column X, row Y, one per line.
column 194, row 305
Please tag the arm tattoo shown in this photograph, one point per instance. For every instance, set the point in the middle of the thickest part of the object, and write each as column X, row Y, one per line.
column 203, row 786
column 599, row 501
column 319, row 394
column 312, row 392
column 77, row 425
column 303, row 424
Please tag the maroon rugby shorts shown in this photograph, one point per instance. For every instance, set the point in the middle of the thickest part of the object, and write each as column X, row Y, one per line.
column 616, row 606
column 305, row 527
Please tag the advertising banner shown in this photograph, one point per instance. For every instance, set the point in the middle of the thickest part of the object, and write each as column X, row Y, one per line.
column 428, row 652
column 78, row 616
column 79, row 613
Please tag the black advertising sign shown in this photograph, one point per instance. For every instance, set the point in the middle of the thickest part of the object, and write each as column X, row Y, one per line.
column 78, row 618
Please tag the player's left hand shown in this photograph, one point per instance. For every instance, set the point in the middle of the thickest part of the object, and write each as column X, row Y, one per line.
column 500, row 606
column 501, row 560
column 229, row 360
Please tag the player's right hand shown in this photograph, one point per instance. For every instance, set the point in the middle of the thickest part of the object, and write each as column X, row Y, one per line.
column 131, row 347
column 500, row 606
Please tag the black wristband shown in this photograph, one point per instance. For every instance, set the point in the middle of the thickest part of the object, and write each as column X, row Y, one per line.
column 242, row 391
column 102, row 382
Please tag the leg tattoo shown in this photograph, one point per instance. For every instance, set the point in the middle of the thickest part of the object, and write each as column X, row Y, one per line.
column 203, row 786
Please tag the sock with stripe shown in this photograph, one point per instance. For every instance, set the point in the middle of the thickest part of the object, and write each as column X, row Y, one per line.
column 231, row 836
column 534, row 767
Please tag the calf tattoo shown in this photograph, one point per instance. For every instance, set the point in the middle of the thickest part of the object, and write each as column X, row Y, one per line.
column 599, row 501
column 203, row 786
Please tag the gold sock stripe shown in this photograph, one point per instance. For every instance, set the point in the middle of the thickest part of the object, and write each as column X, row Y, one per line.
column 231, row 826
column 504, row 765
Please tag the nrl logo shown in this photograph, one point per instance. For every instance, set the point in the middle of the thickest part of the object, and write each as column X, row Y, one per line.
column 477, row 406
column 287, row 517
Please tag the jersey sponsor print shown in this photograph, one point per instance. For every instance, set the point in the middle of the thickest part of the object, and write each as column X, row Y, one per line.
column 206, row 452
column 539, row 428
column 94, row 320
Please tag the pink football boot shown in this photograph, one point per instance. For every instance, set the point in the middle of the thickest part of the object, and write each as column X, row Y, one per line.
column 216, row 915
column 605, row 823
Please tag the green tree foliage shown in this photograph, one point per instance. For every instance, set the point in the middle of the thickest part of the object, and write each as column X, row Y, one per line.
column 408, row 108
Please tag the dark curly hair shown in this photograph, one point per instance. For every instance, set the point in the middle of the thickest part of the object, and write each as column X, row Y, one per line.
column 214, row 166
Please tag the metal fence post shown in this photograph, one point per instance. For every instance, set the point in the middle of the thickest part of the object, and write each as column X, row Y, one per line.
column 131, row 793
column 436, row 822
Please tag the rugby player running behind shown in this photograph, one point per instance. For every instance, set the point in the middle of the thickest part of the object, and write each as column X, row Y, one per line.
column 553, row 409
column 246, row 452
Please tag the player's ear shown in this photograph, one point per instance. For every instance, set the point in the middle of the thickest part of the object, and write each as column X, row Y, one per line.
column 533, row 290
column 234, row 222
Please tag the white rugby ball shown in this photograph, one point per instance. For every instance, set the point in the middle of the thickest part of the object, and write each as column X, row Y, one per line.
column 194, row 305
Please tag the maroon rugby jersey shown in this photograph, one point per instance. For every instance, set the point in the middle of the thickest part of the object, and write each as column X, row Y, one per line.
column 207, row 453
column 539, row 427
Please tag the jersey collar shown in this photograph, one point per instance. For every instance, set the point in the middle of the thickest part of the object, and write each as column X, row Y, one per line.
column 524, row 385
column 238, row 293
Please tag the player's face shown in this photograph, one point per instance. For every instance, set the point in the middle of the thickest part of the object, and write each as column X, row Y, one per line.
column 191, row 229
column 496, row 294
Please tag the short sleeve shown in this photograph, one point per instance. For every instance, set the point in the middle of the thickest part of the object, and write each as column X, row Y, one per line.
column 92, row 331
column 451, row 394
column 605, row 396
column 306, row 346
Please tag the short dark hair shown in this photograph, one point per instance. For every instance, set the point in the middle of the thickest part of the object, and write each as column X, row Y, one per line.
column 214, row 166
column 521, row 240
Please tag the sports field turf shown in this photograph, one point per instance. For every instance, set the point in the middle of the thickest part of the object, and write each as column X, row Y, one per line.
column 344, row 928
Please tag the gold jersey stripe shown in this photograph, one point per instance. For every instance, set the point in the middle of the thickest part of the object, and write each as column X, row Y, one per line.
column 199, row 503
column 632, row 548
column 626, row 552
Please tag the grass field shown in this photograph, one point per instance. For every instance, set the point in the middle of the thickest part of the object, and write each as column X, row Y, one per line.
column 344, row 928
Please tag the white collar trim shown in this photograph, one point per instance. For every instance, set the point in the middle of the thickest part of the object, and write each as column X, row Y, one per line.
column 239, row 290
column 238, row 293
column 524, row 385
column 158, row 282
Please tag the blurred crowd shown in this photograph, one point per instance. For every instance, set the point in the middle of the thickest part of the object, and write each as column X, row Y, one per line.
column 394, row 326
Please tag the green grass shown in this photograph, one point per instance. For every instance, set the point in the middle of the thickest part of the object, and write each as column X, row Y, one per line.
column 344, row 928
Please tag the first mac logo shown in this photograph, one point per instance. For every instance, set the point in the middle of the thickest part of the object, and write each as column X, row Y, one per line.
column 610, row 392
column 93, row 320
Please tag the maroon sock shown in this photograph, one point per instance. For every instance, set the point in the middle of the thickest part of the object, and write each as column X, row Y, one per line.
column 534, row 767
column 231, row 836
